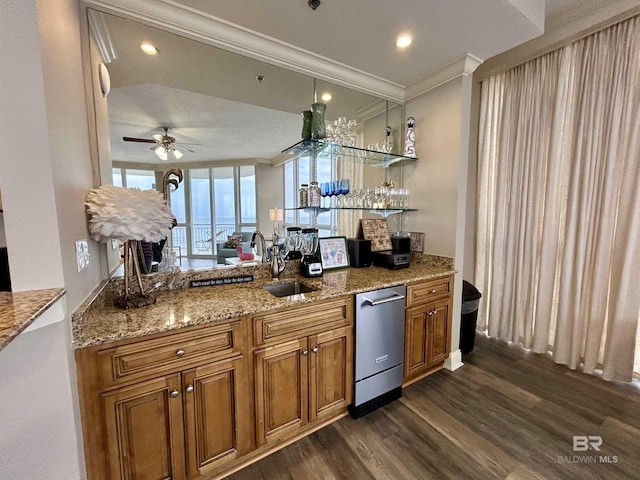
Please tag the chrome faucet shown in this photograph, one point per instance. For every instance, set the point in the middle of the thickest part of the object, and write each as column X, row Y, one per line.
column 263, row 245
column 277, row 262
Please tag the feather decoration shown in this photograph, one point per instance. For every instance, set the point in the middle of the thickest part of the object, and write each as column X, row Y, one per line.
column 127, row 214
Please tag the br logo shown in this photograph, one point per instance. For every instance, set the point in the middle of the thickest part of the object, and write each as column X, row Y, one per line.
column 583, row 443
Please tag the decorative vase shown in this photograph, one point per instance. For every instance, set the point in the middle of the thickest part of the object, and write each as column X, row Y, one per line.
column 318, row 128
column 306, row 125
column 410, row 139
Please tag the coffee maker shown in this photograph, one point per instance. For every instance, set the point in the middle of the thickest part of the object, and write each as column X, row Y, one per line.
column 293, row 243
column 310, row 265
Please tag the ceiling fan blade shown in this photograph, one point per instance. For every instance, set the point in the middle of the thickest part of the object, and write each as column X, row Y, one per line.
column 140, row 140
column 182, row 147
column 182, row 143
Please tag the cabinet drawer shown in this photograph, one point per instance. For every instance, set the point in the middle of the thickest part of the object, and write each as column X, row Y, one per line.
column 168, row 353
column 426, row 291
column 301, row 321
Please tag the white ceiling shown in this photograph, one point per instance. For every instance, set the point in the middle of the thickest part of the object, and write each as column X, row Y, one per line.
column 361, row 33
column 207, row 95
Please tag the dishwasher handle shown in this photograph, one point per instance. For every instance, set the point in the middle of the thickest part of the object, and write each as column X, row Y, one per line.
column 392, row 298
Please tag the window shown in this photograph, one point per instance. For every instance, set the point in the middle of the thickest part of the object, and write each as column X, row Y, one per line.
column 221, row 200
column 130, row 178
column 248, row 213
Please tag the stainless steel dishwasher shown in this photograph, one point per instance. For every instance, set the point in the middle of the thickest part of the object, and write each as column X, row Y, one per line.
column 379, row 349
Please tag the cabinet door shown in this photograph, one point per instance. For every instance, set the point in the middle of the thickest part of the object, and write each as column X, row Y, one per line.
column 216, row 404
column 330, row 372
column 415, row 341
column 145, row 431
column 439, row 336
column 281, row 378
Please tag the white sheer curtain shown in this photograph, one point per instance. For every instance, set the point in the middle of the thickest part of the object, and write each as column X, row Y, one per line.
column 558, row 256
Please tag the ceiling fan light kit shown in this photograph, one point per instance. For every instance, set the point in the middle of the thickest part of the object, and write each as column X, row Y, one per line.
column 165, row 144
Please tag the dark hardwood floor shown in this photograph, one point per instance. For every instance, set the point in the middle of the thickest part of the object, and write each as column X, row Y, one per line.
column 507, row 414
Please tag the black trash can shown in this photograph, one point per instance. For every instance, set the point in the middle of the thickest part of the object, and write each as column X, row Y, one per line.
column 469, row 318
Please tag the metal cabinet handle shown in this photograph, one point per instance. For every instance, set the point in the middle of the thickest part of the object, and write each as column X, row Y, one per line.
column 180, row 353
column 314, row 349
column 305, row 352
column 189, row 388
column 393, row 298
column 174, row 393
column 433, row 291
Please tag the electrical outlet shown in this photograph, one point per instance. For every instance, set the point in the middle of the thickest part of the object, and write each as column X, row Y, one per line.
column 82, row 254
column 114, row 244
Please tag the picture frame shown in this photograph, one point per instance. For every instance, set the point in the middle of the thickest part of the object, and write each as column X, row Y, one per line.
column 333, row 252
column 417, row 241
column 376, row 230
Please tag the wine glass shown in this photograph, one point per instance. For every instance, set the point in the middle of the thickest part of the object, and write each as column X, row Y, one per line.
column 325, row 188
column 344, row 189
column 334, row 191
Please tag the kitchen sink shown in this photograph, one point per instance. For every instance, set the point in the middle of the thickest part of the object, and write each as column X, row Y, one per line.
column 288, row 289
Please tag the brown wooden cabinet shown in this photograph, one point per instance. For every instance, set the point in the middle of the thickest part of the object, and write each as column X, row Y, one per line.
column 216, row 414
column 191, row 404
column 144, row 430
column 330, row 373
column 282, row 395
column 305, row 379
column 427, row 327
column 186, row 417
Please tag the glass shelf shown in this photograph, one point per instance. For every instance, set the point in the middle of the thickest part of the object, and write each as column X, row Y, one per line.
column 384, row 212
column 327, row 149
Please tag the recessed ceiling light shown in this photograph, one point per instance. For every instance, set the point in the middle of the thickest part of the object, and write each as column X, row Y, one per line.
column 149, row 49
column 403, row 41
column 326, row 97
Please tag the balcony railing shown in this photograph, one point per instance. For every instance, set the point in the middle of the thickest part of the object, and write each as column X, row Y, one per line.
column 202, row 241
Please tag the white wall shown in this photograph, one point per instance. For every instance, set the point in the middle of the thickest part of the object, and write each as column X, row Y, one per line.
column 39, row 440
column 43, row 123
column 30, row 214
column 433, row 179
column 58, row 22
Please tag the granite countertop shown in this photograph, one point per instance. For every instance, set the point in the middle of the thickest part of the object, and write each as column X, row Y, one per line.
column 174, row 309
column 18, row 310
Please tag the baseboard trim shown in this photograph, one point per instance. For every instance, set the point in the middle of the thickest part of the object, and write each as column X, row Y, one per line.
column 454, row 361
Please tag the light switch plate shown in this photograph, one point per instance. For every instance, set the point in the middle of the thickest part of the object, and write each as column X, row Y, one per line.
column 82, row 254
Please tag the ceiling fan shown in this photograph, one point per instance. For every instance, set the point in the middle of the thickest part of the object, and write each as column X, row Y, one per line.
column 164, row 144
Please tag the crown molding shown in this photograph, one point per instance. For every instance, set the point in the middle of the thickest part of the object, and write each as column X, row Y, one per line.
column 191, row 23
column 561, row 29
column 463, row 66
column 532, row 11
column 101, row 36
